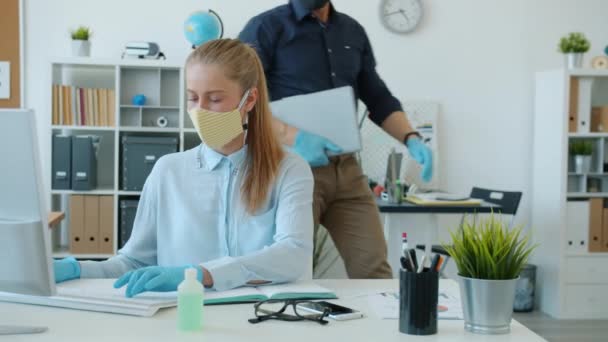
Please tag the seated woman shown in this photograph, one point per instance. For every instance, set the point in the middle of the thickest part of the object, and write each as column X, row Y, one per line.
column 237, row 207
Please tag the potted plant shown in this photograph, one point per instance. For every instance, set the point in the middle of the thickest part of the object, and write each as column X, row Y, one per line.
column 489, row 258
column 81, row 46
column 581, row 150
column 574, row 45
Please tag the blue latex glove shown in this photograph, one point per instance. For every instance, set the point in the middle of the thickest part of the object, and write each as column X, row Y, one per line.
column 423, row 155
column 154, row 278
column 313, row 148
column 66, row 269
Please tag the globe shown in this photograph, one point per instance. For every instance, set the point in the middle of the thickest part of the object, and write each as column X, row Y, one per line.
column 201, row 27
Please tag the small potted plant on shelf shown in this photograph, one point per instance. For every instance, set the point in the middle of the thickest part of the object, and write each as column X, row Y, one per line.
column 581, row 151
column 489, row 258
column 81, row 46
column 574, row 45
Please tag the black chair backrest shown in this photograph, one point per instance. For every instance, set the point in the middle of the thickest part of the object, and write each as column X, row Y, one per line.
column 508, row 200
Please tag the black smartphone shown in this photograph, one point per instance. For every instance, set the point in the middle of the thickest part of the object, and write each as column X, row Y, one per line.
column 336, row 312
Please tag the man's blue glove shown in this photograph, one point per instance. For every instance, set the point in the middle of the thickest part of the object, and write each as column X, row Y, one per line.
column 313, row 148
column 423, row 155
column 154, row 278
column 66, row 269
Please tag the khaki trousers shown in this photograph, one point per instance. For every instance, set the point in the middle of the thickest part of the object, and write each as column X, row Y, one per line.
column 344, row 204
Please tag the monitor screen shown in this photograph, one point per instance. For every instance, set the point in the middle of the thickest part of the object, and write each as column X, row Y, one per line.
column 25, row 258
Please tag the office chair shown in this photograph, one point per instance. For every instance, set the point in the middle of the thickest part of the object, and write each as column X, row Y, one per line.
column 507, row 200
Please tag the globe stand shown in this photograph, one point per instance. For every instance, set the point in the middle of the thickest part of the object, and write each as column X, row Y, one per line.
column 221, row 29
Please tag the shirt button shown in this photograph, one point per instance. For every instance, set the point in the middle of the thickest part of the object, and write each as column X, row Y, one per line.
column 333, row 74
column 329, row 50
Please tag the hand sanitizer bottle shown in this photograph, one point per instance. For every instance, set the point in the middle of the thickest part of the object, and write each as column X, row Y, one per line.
column 190, row 302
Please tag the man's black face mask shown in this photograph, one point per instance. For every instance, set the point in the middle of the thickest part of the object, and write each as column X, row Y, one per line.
column 312, row 4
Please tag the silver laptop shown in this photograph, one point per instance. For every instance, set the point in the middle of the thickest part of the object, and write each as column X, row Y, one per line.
column 329, row 113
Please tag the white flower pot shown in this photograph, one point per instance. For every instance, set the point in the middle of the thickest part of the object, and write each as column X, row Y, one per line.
column 81, row 48
column 582, row 164
column 574, row 60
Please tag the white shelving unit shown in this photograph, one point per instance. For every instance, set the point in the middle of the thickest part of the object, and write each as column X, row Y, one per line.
column 572, row 282
column 162, row 82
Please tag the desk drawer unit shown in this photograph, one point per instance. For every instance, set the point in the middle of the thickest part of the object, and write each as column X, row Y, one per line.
column 586, row 301
column 587, row 270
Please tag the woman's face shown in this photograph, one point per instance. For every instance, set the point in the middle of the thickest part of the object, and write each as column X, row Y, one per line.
column 208, row 88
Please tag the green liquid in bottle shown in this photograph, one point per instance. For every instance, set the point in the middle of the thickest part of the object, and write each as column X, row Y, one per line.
column 189, row 311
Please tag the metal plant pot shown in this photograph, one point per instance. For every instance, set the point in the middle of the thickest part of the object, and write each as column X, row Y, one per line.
column 81, row 48
column 582, row 164
column 574, row 60
column 487, row 304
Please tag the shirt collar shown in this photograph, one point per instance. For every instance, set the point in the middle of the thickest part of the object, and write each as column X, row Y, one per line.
column 302, row 12
column 210, row 159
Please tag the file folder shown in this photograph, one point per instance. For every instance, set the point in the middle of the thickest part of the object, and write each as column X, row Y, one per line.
column 596, row 218
column 77, row 224
column 577, row 226
column 106, row 224
column 62, row 162
column 84, row 162
column 91, row 224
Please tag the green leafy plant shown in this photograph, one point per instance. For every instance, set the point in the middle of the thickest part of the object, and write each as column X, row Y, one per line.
column 581, row 148
column 81, row 33
column 487, row 249
column 575, row 42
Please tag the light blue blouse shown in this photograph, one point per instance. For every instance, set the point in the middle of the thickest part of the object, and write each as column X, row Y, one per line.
column 191, row 212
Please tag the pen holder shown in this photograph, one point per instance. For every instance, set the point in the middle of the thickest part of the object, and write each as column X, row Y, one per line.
column 418, row 295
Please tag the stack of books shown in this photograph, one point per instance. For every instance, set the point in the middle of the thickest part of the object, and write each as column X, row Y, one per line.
column 74, row 106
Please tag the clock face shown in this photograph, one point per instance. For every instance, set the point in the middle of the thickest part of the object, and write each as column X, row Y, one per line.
column 400, row 16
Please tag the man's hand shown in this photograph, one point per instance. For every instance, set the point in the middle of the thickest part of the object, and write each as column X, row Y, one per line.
column 314, row 148
column 423, row 155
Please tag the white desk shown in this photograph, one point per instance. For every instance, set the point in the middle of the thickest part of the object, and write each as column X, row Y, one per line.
column 229, row 323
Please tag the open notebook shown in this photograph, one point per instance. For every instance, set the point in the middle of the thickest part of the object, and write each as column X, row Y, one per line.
column 442, row 199
column 99, row 295
column 297, row 290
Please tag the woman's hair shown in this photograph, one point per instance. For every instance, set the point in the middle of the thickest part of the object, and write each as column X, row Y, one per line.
column 240, row 63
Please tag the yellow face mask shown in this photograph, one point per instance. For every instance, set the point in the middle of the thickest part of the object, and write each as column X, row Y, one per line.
column 216, row 129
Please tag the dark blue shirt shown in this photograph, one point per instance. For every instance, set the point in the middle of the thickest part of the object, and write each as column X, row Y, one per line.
column 301, row 55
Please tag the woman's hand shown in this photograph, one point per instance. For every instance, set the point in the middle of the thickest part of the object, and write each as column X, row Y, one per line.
column 154, row 278
column 66, row 269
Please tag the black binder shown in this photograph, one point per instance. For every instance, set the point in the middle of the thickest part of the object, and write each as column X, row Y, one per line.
column 62, row 162
column 84, row 163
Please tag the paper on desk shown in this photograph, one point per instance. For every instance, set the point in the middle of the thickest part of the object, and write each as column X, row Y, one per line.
column 103, row 289
column 386, row 305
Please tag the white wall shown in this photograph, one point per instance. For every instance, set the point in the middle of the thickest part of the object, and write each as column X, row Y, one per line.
column 475, row 57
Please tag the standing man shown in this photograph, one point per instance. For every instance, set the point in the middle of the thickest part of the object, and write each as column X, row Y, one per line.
column 307, row 46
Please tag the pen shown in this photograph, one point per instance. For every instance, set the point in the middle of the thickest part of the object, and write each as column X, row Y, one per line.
column 421, row 265
column 410, row 262
column 434, row 262
column 406, row 266
column 444, row 264
column 440, row 263
column 412, row 253
column 404, row 247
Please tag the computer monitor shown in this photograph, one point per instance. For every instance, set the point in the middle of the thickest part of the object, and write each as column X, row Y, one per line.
column 25, row 257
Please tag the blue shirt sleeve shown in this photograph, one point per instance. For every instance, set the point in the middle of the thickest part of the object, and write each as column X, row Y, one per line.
column 372, row 89
column 260, row 37
column 289, row 257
